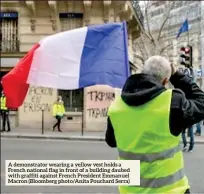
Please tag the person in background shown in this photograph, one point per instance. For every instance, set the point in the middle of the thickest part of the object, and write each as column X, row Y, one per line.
column 58, row 112
column 191, row 135
column 4, row 113
column 198, row 129
column 145, row 123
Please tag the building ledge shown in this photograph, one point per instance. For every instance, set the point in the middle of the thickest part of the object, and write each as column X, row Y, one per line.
column 71, row 114
column 6, row 3
column 12, row 54
column 5, row 69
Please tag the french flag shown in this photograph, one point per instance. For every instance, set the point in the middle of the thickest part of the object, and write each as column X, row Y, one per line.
column 87, row 56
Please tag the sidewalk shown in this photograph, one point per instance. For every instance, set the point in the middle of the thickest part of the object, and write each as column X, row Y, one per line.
column 48, row 134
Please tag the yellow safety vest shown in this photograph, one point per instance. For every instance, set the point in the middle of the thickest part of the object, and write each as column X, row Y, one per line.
column 3, row 103
column 58, row 109
column 142, row 133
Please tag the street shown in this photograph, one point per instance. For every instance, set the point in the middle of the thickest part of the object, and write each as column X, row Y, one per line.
column 20, row 149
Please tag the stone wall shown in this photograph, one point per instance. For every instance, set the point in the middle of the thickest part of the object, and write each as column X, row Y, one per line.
column 96, row 102
column 37, row 99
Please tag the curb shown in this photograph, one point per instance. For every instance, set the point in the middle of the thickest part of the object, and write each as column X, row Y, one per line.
column 73, row 138
column 197, row 142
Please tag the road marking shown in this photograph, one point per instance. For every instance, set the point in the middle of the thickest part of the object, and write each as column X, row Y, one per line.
column 52, row 140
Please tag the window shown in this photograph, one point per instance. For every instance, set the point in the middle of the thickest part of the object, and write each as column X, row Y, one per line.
column 2, row 73
column 73, row 99
column 70, row 21
column 9, row 32
column 194, row 13
column 157, row 11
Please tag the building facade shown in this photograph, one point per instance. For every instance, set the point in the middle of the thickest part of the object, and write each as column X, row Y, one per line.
column 202, row 42
column 180, row 11
column 24, row 23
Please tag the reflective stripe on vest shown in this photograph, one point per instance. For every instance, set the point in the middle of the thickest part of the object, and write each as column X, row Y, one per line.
column 163, row 181
column 150, row 157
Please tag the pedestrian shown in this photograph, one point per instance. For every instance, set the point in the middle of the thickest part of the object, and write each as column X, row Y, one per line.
column 4, row 113
column 146, row 121
column 198, row 129
column 191, row 135
column 58, row 112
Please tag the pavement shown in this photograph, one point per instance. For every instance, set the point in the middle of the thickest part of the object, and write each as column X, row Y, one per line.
column 48, row 134
column 86, row 136
column 40, row 149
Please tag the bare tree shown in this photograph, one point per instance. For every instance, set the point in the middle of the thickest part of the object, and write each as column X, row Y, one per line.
column 152, row 40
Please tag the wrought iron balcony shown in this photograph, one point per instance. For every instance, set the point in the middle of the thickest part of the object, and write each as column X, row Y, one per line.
column 138, row 12
column 10, row 46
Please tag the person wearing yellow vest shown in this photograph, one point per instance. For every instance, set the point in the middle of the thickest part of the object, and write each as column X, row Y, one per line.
column 146, row 121
column 4, row 113
column 58, row 112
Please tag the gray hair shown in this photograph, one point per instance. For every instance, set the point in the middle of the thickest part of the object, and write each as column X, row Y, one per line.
column 157, row 66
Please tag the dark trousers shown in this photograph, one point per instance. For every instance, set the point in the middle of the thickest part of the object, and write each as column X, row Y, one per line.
column 190, row 132
column 57, row 123
column 198, row 126
column 187, row 191
column 5, row 118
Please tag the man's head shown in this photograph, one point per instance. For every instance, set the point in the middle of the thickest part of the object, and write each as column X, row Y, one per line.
column 159, row 67
column 59, row 98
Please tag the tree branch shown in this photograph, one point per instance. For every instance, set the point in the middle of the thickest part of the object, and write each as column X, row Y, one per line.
column 168, row 46
column 139, row 57
column 144, row 44
column 164, row 48
column 145, row 33
column 147, row 19
column 143, row 30
column 165, row 19
column 149, row 44
column 140, row 49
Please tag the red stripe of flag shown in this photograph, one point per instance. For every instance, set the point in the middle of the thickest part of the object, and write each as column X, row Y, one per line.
column 15, row 85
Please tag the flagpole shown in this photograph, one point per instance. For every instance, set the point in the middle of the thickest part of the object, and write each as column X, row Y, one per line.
column 191, row 69
column 188, row 38
column 188, row 25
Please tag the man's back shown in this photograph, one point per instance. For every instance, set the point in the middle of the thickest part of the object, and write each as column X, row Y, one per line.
column 185, row 108
column 136, row 130
column 141, row 88
column 145, row 122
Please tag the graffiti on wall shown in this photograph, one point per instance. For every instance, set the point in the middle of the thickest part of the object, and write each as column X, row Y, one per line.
column 35, row 101
column 98, row 103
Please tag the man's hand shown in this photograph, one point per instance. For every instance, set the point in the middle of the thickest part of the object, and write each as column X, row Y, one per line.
column 173, row 69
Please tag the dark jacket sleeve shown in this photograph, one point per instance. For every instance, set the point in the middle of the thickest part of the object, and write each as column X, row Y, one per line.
column 110, row 137
column 187, row 106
